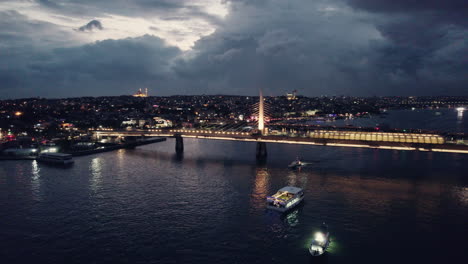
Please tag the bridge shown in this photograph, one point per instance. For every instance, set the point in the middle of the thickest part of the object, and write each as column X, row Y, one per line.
column 305, row 136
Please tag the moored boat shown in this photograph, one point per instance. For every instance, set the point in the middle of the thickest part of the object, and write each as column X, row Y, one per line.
column 285, row 198
column 55, row 158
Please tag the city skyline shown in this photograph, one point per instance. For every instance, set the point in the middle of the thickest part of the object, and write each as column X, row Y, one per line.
column 59, row 49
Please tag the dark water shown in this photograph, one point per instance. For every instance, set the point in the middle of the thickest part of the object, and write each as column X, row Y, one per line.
column 149, row 206
column 439, row 120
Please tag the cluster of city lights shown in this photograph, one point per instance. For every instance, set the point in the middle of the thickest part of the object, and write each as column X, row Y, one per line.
column 188, row 131
column 209, row 132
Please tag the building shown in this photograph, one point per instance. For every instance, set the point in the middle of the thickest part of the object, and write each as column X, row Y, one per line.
column 159, row 122
column 140, row 93
column 291, row 96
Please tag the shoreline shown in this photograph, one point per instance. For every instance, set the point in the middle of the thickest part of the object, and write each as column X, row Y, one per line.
column 94, row 151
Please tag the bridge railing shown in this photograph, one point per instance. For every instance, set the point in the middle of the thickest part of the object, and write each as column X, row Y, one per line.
column 418, row 138
column 208, row 132
column 365, row 136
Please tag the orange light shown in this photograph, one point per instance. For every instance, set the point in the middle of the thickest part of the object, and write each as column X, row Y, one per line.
column 18, row 113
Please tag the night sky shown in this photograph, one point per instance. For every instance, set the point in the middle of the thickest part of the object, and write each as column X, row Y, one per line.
column 69, row 48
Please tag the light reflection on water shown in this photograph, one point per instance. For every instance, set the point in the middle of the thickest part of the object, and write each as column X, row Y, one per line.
column 96, row 179
column 120, row 157
column 462, row 194
column 259, row 192
column 292, row 218
column 35, row 180
column 292, row 178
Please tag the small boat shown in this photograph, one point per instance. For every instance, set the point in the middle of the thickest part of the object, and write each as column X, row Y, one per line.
column 55, row 158
column 285, row 198
column 296, row 164
column 320, row 242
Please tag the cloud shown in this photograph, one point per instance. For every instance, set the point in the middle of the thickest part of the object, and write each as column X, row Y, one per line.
column 426, row 41
column 122, row 18
column 18, row 31
column 110, row 67
column 332, row 47
column 277, row 41
column 93, row 24
column 321, row 47
column 452, row 7
column 282, row 46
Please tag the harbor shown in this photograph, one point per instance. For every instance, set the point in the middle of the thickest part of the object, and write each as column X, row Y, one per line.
column 19, row 154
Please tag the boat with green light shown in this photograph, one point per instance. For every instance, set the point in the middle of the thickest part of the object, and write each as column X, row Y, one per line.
column 320, row 242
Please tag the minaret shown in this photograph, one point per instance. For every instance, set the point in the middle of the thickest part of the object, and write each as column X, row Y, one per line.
column 261, row 124
column 146, row 92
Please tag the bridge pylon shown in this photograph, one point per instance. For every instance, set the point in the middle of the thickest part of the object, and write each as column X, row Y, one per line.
column 179, row 144
column 261, row 151
column 261, row 115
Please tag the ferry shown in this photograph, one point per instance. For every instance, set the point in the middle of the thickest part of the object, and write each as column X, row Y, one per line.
column 320, row 242
column 55, row 158
column 285, row 198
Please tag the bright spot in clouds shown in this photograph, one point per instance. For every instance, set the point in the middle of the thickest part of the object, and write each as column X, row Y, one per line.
column 182, row 30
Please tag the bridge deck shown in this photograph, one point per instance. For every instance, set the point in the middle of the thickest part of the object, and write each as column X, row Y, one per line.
column 381, row 140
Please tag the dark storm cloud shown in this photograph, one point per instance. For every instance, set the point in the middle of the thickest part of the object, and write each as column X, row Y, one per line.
column 326, row 48
column 427, row 42
column 332, row 47
column 405, row 6
column 110, row 67
column 284, row 46
column 93, row 24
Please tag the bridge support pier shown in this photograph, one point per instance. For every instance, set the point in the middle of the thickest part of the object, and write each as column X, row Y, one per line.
column 179, row 144
column 97, row 137
column 261, row 151
column 130, row 142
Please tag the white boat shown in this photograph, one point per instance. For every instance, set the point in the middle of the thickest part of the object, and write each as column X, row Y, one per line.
column 320, row 242
column 55, row 158
column 285, row 198
column 296, row 164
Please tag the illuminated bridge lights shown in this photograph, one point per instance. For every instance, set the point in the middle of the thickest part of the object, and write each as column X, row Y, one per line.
column 378, row 136
column 377, row 140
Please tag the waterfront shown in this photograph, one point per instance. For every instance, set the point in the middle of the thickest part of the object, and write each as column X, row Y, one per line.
column 149, row 205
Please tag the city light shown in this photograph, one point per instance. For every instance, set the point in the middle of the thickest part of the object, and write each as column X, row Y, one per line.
column 460, row 111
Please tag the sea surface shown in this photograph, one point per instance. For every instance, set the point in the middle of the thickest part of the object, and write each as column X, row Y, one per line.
column 149, row 205
column 432, row 120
